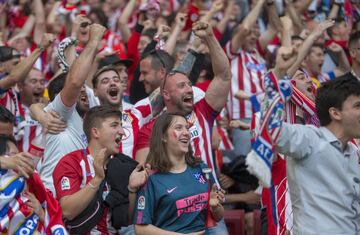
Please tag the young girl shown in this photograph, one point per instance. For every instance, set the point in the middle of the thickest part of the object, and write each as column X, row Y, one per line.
column 178, row 198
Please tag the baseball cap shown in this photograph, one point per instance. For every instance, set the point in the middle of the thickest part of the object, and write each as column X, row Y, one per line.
column 114, row 60
column 8, row 53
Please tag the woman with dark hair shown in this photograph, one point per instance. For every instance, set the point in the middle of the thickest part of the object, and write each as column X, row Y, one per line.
column 178, row 197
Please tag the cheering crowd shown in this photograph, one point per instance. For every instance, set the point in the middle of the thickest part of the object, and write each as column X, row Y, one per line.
column 162, row 116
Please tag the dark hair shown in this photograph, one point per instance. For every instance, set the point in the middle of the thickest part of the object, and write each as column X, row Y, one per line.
column 296, row 37
column 94, row 81
column 149, row 33
column 103, row 20
column 207, row 66
column 337, row 20
column 56, row 85
column 333, row 94
column 6, row 116
column 95, row 117
column 354, row 38
column 160, row 59
column 158, row 157
column 4, row 146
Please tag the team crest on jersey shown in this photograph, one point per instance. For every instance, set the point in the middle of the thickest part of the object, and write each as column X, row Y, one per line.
column 65, row 183
column 126, row 117
column 199, row 177
column 141, row 203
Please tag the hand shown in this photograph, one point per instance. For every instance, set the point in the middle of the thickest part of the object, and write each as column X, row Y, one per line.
column 100, row 160
column 217, row 6
column 223, row 122
column 242, row 95
column 286, row 56
column 96, row 33
column 52, row 122
column 286, row 22
column 104, row 53
column 22, row 163
column 322, row 27
column 163, row 31
column 139, row 177
column 225, row 181
column 202, row 29
column 336, row 48
column 239, row 124
column 217, row 197
column 76, row 24
column 47, row 40
column 34, row 204
column 180, row 20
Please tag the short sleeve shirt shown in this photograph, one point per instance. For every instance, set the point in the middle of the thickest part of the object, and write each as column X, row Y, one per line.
column 57, row 146
column 174, row 201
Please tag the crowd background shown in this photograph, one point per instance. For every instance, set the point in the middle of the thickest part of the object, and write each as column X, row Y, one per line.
column 149, row 38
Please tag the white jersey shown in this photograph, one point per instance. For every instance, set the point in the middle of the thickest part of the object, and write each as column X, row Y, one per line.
column 57, row 146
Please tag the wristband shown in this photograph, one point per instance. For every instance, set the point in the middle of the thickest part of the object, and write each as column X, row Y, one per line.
column 130, row 191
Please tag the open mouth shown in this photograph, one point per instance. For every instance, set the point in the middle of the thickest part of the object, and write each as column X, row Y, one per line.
column 118, row 140
column 188, row 99
column 113, row 92
column 38, row 95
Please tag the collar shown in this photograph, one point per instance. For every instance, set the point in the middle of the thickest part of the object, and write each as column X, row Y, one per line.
column 331, row 138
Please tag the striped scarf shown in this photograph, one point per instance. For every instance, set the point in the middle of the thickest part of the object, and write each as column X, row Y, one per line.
column 272, row 113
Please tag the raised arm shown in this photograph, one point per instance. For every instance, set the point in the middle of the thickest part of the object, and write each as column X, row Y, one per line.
column 40, row 24
column 81, row 67
column 343, row 64
column 273, row 26
column 180, row 21
column 306, row 46
column 22, row 69
column 218, row 90
column 124, row 19
column 245, row 26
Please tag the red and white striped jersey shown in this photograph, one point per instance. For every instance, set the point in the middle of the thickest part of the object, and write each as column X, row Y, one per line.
column 73, row 172
column 248, row 70
column 25, row 129
column 132, row 120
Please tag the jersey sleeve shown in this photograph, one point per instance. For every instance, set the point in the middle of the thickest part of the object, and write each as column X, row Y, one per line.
column 58, row 106
column 67, row 177
column 143, row 137
column 145, row 204
column 206, row 110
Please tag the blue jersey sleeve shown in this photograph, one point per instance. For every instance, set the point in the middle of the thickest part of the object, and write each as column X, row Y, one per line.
column 145, row 205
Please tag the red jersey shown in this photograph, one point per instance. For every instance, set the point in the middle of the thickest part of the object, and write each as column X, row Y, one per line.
column 73, row 172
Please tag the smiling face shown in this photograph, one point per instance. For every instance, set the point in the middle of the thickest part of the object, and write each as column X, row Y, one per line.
column 177, row 136
column 149, row 76
column 32, row 89
column 349, row 117
column 178, row 94
column 109, row 88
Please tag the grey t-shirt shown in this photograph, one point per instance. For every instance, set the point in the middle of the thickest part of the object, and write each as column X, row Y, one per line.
column 57, row 146
column 324, row 180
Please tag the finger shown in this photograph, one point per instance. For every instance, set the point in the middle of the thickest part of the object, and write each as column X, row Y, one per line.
column 54, row 114
column 148, row 166
column 22, row 172
column 214, row 188
column 138, row 167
